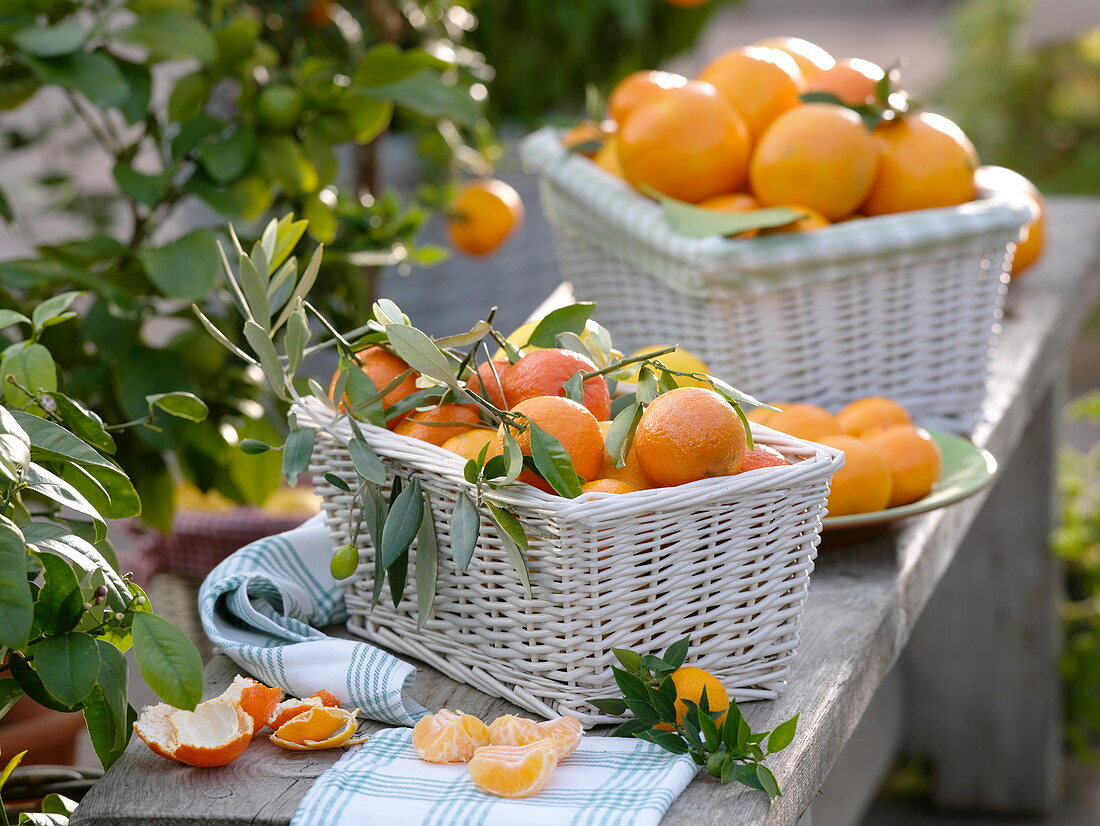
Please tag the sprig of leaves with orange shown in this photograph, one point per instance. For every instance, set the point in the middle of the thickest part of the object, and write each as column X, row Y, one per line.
column 718, row 739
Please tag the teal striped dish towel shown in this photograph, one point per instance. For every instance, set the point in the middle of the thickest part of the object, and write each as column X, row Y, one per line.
column 607, row 781
column 262, row 606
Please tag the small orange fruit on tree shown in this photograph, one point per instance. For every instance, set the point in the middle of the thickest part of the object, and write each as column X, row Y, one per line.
column 863, row 484
column 438, row 424
column 483, row 216
column 851, row 79
column 819, row 155
column 924, row 161
column 691, row 683
column 913, row 458
column 545, row 373
column 759, row 82
column 689, row 434
column 514, row 771
column 866, row 414
column 636, row 87
column 571, row 424
column 811, row 58
column 687, row 142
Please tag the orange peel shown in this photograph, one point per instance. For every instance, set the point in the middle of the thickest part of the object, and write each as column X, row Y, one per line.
column 258, row 700
column 322, row 727
column 289, row 709
column 216, row 733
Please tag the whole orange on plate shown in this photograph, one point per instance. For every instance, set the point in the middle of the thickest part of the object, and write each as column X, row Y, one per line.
column 759, row 82
column 545, row 372
column 913, row 458
column 818, row 155
column 863, row 484
column 924, row 161
column 866, row 414
column 483, row 216
column 811, row 58
column 568, row 422
column 852, row 80
column 804, row 421
column 686, row 142
column 689, row 434
column 514, row 771
column 382, row 367
column 636, row 87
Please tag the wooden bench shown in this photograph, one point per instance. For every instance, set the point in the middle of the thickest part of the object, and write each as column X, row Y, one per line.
column 940, row 637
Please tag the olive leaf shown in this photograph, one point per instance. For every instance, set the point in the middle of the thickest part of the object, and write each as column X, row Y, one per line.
column 513, row 539
column 427, row 564
column 621, row 433
column 465, row 528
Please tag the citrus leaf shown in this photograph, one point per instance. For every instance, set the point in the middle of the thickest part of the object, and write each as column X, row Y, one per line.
column 16, row 601
column 553, row 462
column 427, row 564
column 610, row 705
column 675, row 653
column 52, row 486
column 513, row 539
column 767, row 780
column 62, row 38
column 621, row 433
column 297, row 451
column 402, row 524
column 783, row 735
column 699, row 222
column 168, row 661
column 465, row 528
column 366, row 461
column 68, row 665
column 180, row 404
column 421, row 353
column 568, row 319
column 186, row 268
column 53, row 309
column 513, row 457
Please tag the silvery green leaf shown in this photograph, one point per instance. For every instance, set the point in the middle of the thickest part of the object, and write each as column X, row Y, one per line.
column 465, row 528
column 476, row 334
column 366, row 461
column 513, row 539
column 297, row 451
column 571, row 341
column 305, row 284
column 402, row 523
column 621, row 433
column 254, row 287
column 220, row 337
column 319, row 392
column 289, row 234
column 386, row 312
column 427, row 564
column 421, row 353
column 574, row 388
column 282, row 284
column 513, row 457
column 297, row 337
column 269, row 358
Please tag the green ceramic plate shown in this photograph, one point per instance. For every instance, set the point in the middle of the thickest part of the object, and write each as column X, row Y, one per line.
column 966, row 470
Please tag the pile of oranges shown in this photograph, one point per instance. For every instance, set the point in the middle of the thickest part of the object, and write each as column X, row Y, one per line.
column 510, row 757
column 888, row 462
column 782, row 123
column 684, row 435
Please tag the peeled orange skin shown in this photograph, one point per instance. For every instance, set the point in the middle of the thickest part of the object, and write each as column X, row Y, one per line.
column 636, row 87
column 913, row 459
column 570, row 423
column 864, row 483
column 545, row 372
column 811, row 58
column 414, row 425
column 804, row 421
column 483, row 216
column 382, row 367
column 216, row 733
column 759, row 82
column 291, row 708
column 687, row 143
column 448, row 736
column 851, row 79
column 819, row 155
column 761, row 456
column 514, row 771
column 689, row 434
column 866, row 414
column 488, row 381
column 258, row 700
column 924, row 161
column 629, row 474
column 732, row 202
column 511, row 730
column 322, row 727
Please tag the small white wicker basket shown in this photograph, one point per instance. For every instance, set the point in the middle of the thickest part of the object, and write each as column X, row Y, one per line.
column 905, row 306
column 725, row 561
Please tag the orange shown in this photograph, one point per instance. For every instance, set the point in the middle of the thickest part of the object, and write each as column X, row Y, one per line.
column 813, row 220
column 761, row 415
column 514, row 771
column 258, row 700
column 866, row 414
column 428, row 425
column 818, row 155
column 913, row 458
column 630, row 473
column 448, row 736
column 545, row 372
column 483, row 216
column 690, row 684
column 994, row 179
column 804, row 421
column 216, row 733
column 382, row 367
column 1030, row 245
column 608, row 486
column 636, row 87
column 733, row 202
column 568, row 422
column 852, row 80
column 863, row 484
column 469, row 444
column 688, row 434
column 585, row 134
column 510, row 730
column 761, row 456
column 760, row 82
column 811, row 58
column 566, row 732
column 608, row 157
column 488, row 381
column 686, row 142
column 924, row 161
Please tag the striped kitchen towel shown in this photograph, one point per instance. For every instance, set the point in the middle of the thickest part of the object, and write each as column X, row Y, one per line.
column 607, row 781
column 262, row 607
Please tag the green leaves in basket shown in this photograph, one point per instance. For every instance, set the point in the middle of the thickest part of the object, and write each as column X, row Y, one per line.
column 553, row 462
column 568, row 319
column 699, row 222
column 427, row 564
column 720, row 740
column 513, row 539
column 621, row 432
column 465, row 527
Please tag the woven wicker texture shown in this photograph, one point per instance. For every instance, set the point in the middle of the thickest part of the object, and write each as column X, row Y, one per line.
column 905, row 306
column 725, row 561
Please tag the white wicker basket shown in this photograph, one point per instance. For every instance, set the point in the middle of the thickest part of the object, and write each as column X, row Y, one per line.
column 726, row 561
column 905, row 306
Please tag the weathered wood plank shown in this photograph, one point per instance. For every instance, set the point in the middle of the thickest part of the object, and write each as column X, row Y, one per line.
column 863, row 603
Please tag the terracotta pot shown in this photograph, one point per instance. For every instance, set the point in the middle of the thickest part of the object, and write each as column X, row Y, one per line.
column 49, row 736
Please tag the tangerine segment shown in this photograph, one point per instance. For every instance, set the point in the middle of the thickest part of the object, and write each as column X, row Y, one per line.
column 863, row 484
column 258, row 700
column 689, row 434
column 438, row 424
column 216, row 733
column 566, row 732
column 545, row 373
column 510, row 730
column 291, row 708
column 448, row 736
column 514, row 771
column 913, row 458
column 864, row 415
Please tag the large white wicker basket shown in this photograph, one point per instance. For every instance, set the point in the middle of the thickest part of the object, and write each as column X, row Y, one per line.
column 905, row 305
column 726, row 561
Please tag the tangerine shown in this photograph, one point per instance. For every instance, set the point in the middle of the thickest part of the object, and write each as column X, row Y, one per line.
column 686, row 142
column 913, row 458
column 866, row 414
column 469, row 444
column 514, row 771
column 566, row 732
column 863, row 484
column 483, row 216
column 636, row 87
column 689, row 434
column 761, row 456
column 817, row 155
column 607, row 158
column 511, row 730
column 608, row 486
column 488, row 381
column 851, row 79
column 438, row 424
column 811, row 58
column 690, row 684
column 758, row 81
column 1030, row 246
column 382, row 367
column 586, row 137
column 568, row 422
column 545, row 372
